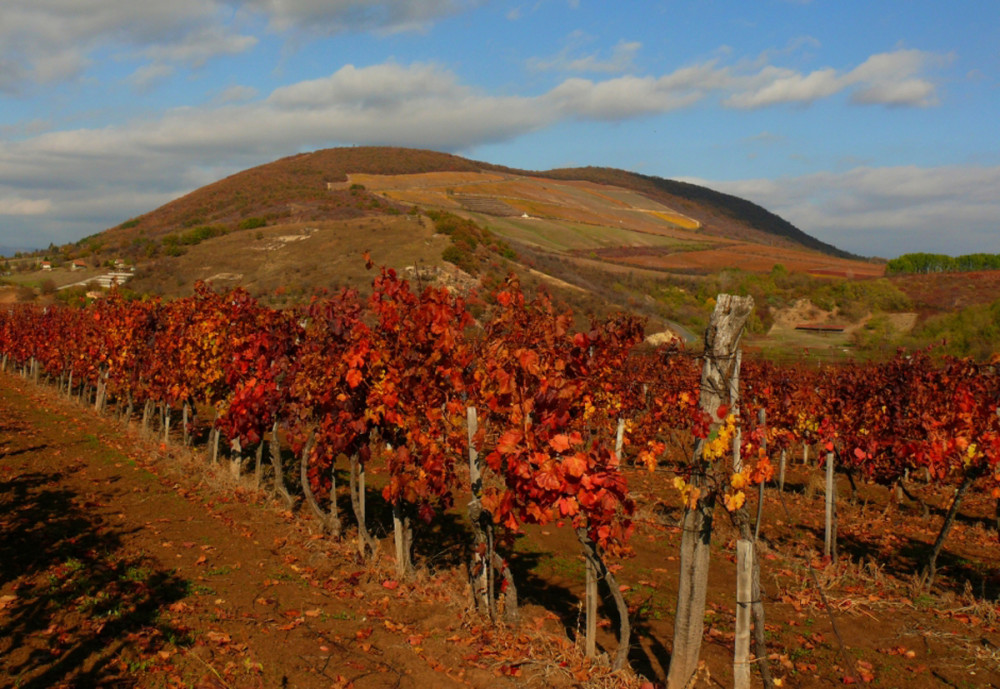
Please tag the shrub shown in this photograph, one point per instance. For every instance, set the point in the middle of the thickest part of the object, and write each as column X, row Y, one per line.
column 456, row 256
column 252, row 223
column 200, row 234
column 73, row 296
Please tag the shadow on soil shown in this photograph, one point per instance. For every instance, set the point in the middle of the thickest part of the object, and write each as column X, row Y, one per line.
column 954, row 573
column 81, row 612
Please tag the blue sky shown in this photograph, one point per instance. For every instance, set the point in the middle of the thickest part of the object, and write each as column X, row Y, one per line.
column 870, row 125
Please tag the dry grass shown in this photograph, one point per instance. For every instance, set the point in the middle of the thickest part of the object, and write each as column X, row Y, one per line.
column 287, row 262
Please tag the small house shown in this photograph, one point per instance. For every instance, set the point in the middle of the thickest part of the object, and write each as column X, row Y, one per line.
column 46, row 265
column 78, row 265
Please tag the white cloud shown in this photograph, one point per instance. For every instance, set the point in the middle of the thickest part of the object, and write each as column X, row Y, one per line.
column 883, row 79
column 784, row 86
column 621, row 98
column 889, row 210
column 621, row 59
column 418, row 104
column 379, row 86
column 16, row 206
column 198, row 46
column 147, row 75
column 237, row 94
column 336, row 16
column 46, row 41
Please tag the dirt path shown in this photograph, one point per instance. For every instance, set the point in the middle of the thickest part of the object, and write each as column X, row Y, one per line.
column 124, row 566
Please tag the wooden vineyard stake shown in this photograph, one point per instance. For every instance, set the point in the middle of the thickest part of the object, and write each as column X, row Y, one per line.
column 829, row 547
column 591, row 610
column 279, row 470
column 481, row 563
column 235, row 457
column 781, row 470
column 258, row 471
column 620, row 438
column 744, row 601
column 762, row 420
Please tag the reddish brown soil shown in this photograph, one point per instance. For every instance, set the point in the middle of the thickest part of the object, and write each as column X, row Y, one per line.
column 125, row 564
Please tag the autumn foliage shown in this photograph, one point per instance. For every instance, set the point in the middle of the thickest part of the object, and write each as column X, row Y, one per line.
column 387, row 381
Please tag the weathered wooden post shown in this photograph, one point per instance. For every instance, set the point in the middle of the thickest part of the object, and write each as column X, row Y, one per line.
column 620, row 439
column 481, row 561
column 781, row 471
column 590, row 599
column 831, row 497
column 722, row 339
column 744, row 601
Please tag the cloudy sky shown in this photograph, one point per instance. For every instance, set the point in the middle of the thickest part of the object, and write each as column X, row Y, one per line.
column 872, row 125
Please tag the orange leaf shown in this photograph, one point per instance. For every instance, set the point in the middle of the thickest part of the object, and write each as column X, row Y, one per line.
column 354, row 377
column 218, row 637
column 568, row 507
column 735, row 501
column 575, row 465
column 509, row 442
column 560, row 443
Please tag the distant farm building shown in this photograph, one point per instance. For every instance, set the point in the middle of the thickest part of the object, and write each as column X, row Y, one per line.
column 78, row 265
column 108, row 280
column 808, row 327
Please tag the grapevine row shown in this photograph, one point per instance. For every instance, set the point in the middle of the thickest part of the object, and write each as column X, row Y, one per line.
column 388, row 382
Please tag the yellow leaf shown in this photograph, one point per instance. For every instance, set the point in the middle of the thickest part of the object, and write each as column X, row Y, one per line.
column 693, row 497
column 738, row 481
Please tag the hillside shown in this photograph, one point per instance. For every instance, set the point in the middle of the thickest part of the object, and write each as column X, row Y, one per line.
column 313, row 187
column 730, row 214
column 599, row 239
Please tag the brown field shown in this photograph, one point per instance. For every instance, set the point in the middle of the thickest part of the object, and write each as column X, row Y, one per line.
column 583, row 202
column 745, row 256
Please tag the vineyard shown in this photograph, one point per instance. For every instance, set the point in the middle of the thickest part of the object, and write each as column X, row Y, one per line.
column 498, row 411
